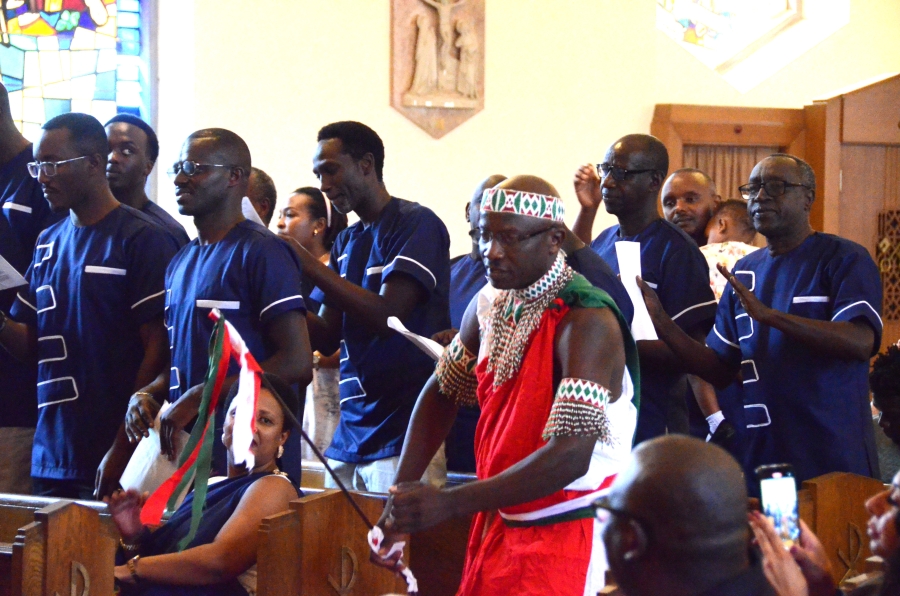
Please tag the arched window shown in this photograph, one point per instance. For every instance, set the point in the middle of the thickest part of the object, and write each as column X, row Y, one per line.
column 59, row 56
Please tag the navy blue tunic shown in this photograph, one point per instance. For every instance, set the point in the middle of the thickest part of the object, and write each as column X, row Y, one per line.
column 23, row 215
column 381, row 377
column 672, row 264
column 167, row 222
column 90, row 289
column 801, row 406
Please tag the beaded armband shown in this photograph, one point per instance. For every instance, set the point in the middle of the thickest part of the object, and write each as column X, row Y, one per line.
column 455, row 374
column 579, row 409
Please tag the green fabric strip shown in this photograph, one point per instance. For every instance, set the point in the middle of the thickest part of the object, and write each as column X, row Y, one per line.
column 580, row 293
column 576, row 514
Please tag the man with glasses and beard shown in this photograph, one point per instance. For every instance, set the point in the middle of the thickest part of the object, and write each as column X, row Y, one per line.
column 799, row 321
column 550, row 360
column 628, row 184
column 92, row 313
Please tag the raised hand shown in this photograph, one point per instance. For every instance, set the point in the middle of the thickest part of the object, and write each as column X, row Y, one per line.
column 587, row 187
column 756, row 309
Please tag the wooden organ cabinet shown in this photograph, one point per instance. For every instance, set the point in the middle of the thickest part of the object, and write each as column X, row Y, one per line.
column 852, row 141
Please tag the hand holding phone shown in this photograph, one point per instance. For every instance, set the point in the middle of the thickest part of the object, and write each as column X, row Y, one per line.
column 778, row 488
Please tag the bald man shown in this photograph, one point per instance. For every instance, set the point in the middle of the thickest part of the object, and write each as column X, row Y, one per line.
column 689, row 199
column 235, row 265
column 798, row 321
column 262, row 194
column 554, row 380
column 628, row 183
column 675, row 523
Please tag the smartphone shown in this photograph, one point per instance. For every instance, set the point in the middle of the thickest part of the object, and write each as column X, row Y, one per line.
column 778, row 489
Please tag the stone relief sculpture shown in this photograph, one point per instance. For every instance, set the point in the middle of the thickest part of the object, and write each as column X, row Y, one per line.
column 437, row 62
column 469, row 54
column 426, row 74
column 445, row 76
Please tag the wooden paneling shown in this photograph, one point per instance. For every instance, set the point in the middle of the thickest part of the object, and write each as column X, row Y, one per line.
column 862, row 197
column 730, row 167
column 872, row 114
column 815, row 157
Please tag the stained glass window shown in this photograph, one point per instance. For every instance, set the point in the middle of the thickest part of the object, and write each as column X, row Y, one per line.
column 59, row 56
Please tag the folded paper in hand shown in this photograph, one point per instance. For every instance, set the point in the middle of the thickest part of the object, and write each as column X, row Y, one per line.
column 148, row 468
column 629, row 256
column 9, row 277
column 429, row 346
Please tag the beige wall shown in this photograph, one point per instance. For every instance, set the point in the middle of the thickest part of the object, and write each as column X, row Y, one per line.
column 564, row 78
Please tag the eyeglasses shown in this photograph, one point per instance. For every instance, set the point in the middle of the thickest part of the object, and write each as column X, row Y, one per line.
column 504, row 239
column 190, row 168
column 35, row 168
column 618, row 174
column 773, row 188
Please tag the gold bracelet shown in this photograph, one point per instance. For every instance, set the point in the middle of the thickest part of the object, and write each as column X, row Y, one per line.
column 128, row 548
column 147, row 393
column 132, row 568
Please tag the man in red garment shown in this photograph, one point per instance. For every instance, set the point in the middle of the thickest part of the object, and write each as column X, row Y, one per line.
column 554, row 377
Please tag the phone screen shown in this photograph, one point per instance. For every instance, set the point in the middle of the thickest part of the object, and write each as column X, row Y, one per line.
column 779, row 499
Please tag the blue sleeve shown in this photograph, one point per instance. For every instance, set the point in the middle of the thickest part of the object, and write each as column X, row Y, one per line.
column 856, row 291
column 723, row 337
column 421, row 249
column 149, row 254
column 275, row 278
column 337, row 250
column 24, row 309
column 684, row 287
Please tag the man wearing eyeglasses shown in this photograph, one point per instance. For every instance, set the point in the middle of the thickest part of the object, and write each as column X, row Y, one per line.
column 23, row 215
column 234, row 265
column 550, row 361
column 133, row 149
column 628, row 183
column 799, row 321
column 92, row 313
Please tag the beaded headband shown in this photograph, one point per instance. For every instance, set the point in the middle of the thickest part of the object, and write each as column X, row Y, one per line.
column 522, row 203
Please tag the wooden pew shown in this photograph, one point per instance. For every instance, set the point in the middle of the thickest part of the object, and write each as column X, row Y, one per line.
column 324, row 534
column 833, row 506
column 61, row 547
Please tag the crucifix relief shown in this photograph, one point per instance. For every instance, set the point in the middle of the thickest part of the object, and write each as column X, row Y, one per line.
column 437, row 66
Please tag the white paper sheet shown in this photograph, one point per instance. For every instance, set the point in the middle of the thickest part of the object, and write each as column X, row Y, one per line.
column 429, row 346
column 629, row 256
column 9, row 277
column 148, row 468
column 249, row 211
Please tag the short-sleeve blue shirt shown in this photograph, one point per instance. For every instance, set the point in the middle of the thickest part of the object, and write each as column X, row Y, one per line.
column 467, row 277
column 23, row 215
column 90, row 289
column 381, row 377
column 672, row 264
column 801, row 406
column 251, row 276
column 167, row 222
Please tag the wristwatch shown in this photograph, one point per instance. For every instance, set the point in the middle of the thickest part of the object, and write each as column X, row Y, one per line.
column 132, row 568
